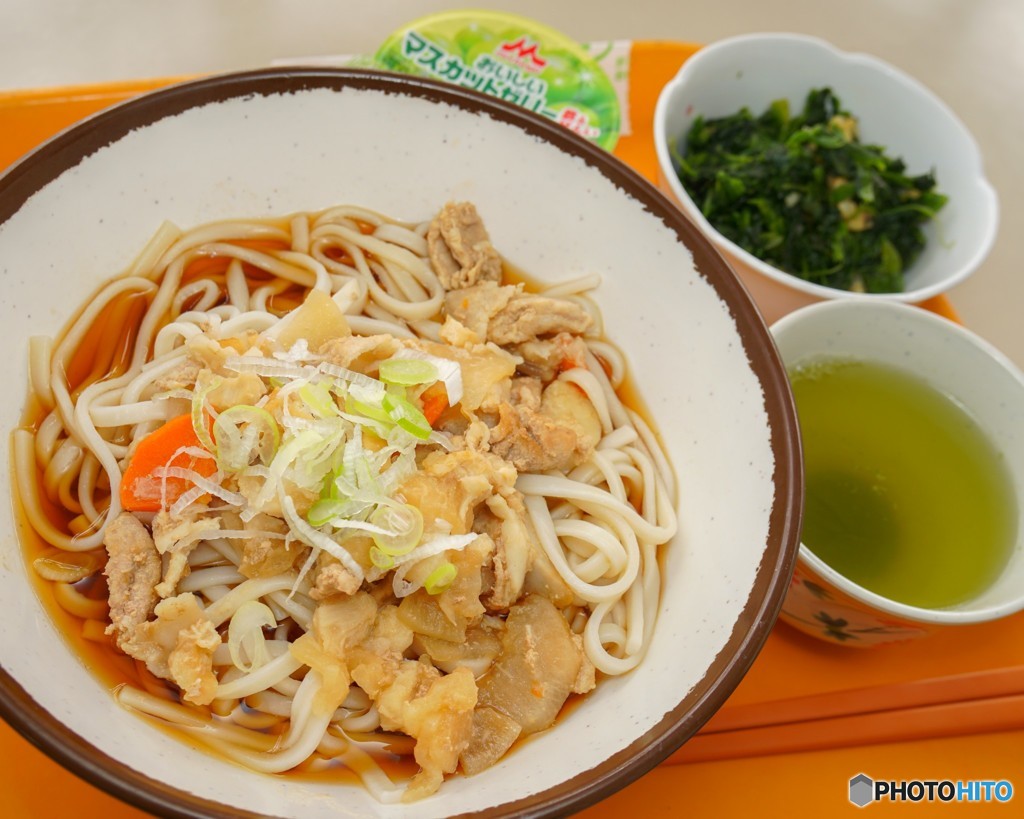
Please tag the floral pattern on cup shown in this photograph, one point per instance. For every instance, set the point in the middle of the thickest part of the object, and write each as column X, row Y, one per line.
column 816, row 607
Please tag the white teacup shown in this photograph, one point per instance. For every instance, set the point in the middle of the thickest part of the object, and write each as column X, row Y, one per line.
column 821, row 601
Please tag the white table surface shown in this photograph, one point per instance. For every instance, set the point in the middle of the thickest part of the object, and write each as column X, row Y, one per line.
column 970, row 52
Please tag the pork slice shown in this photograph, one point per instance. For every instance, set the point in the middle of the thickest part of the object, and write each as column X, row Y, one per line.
column 474, row 307
column 533, row 442
column 513, row 539
column 545, row 358
column 506, row 315
column 560, row 433
column 460, row 248
column 133, row 571
column 528, row 317
column 526, row 392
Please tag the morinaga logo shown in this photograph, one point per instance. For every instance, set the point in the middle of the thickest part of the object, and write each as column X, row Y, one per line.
column 864, row 790
column 523, row 53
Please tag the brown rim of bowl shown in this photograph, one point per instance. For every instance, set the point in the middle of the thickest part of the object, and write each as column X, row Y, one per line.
column 68, row 148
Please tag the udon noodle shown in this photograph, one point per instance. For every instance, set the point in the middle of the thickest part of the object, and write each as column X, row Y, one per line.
column 332, row 482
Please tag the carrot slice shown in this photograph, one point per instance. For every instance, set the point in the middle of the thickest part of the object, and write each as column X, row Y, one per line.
column 435, row 401
column 140, row 486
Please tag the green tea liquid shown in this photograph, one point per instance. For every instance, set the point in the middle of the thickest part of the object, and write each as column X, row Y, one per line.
column 906, row 496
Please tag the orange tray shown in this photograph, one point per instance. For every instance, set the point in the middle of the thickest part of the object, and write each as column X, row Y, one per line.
column 807, row 716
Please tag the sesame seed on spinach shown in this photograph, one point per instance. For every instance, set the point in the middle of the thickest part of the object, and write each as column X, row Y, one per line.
column 805, row 195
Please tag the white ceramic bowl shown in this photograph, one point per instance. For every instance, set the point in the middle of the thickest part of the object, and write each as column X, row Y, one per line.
column 893, row 110
column 78, row 210
column 823, row 602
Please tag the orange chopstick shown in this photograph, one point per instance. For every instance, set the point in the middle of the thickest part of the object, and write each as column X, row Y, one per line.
column 977, row 716
column 993, row 683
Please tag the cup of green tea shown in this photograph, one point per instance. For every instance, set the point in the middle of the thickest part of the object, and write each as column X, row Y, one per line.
column 913, row 437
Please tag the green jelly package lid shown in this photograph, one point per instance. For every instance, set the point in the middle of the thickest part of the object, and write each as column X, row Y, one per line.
column 514, row 59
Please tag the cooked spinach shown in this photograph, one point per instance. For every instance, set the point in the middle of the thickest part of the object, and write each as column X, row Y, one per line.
column 805, row 195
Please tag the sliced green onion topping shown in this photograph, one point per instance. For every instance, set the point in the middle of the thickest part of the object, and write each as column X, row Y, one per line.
column 405, row 522
column 448, row 371
column 407, row 371
column 374, row 413
column 324, row 511
column 199, row 413
column 330, row 489
column 440, row 579
column 380, row 559
column 319, row 399
column 243, row 431
column 407, row 416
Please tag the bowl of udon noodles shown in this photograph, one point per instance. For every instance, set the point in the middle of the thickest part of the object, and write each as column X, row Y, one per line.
column 376, row 449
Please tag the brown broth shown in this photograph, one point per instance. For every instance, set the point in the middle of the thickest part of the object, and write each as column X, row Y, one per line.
column 110, row 666
column 106, row 349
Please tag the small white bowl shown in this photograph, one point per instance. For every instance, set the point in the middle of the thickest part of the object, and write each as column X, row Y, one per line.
column 893, row 110
column 821, row 601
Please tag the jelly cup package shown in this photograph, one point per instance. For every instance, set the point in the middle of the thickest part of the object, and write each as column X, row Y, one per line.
column 514, row 59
